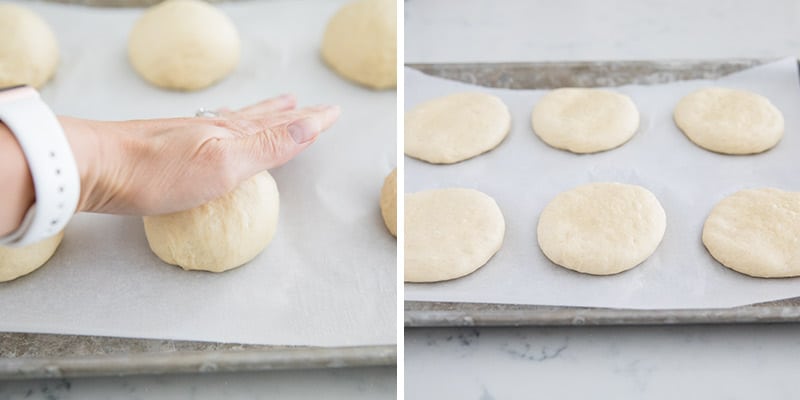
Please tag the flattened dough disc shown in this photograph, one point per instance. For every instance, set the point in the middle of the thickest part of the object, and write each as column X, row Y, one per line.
column 729, row 121
column 584, row 120
column 601, row 228
column 756, row 232
column 453, row 128
column 450, row 233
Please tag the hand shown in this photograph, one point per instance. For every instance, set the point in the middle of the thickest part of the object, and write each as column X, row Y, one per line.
column 161, row 166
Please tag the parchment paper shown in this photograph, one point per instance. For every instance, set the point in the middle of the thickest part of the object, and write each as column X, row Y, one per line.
column 523, row 174
column 327, row 279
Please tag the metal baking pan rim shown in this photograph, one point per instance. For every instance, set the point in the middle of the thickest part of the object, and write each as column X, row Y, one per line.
column 440, row 314
column 290, row 358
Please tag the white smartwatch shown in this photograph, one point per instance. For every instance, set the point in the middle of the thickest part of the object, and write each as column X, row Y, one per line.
column 55, row 174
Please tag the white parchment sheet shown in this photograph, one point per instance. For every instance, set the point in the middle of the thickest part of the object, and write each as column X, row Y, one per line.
column 327, row 279
column 523, row 174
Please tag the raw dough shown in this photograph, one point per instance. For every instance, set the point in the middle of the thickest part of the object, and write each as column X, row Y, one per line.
column 601, row 228
column 756, row 232
column 453, row 128
column 450, row 233
column 360, row 43
column 389, row 202
column 729, row 121
column 19, row 261
column 585, row 120
column 183, row 45
column 28, row 48
column 219, row 235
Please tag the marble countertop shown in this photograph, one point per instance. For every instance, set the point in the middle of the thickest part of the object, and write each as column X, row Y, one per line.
column 709, row 362
column 542, row 30
column 730, row 362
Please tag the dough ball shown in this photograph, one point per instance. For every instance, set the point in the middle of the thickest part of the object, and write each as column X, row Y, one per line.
column 183, row 45
column 450, row 233
column 601, row 228
column 457, row 127
column 389, row 202
column 756, row 232
column 729, row 121
column 18, row 261
column 585, row 120
column 28, row 48
column 219, row 235
column 360, row 43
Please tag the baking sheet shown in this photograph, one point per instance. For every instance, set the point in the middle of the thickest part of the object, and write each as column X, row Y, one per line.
column 327, row 279
column 523, row 174
column 32, row 355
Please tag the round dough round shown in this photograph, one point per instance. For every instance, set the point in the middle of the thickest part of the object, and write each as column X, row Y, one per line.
column 360, row 43
column 585, row 120
column 729, row 121
column 19, row 261
column 457, row 127
column 28, row 48
column 222, row 234
column 756, row 232
column 450, row 233
column 389, row 202
column 601, row 228
column 183, row 45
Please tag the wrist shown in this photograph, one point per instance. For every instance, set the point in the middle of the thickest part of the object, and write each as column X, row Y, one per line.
column 86, row 145
column 16, row 177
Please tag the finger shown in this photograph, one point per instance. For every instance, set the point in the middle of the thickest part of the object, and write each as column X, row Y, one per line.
column 289, row 116
column 246, row 124
column 317, row 120
column 253, row 126
column 277, row 145
column 283, row 102
column 224, row 112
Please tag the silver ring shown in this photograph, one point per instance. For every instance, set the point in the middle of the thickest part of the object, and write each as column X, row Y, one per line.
column 205, row 113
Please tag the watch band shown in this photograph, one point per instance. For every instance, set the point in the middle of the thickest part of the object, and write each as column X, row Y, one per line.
column 55, row 174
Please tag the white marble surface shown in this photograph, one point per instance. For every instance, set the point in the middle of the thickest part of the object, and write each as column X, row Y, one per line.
column 701, row 362
column 538, row 30
column 729, row 362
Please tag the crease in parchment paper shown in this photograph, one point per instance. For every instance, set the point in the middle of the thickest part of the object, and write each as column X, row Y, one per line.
column 523, row 174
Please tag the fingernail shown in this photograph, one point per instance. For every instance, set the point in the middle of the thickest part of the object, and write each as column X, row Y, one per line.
column 303, row 130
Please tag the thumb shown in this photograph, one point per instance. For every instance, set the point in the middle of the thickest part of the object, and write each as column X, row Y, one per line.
column 278, row 144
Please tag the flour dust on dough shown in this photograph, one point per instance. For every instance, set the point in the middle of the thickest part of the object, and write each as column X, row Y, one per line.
column 601, row 228
column 729, row 121
column 222, row 234
column 456, row 127
column 450, row 233
column 756, row 232
column 19, row 261
column 28, row 48
column 388, row 202
column 183, row 45
column 360, row 43
column 584, row 120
